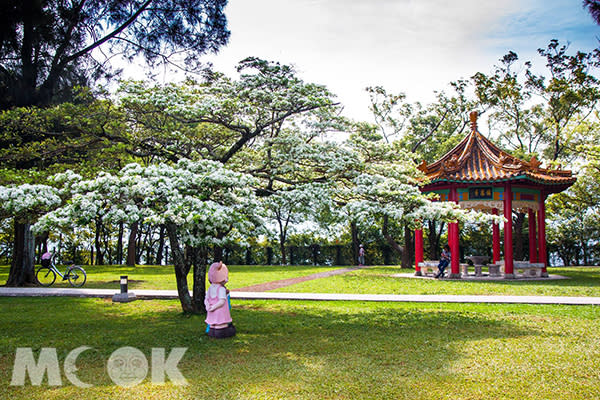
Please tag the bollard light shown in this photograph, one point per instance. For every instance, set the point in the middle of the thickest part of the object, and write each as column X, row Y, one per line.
column 123, row 284
column 124, row 296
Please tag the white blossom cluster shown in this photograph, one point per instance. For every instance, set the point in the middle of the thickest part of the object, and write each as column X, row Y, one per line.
column 386, row 185
column 265, row 94
column 26, row 201
column 204, row 200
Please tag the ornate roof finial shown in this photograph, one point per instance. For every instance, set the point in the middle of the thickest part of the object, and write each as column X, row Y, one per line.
column 473, row 118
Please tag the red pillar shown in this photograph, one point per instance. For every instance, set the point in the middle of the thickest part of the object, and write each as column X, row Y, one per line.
column 495, row 239
column 508, row 237
column 542, row 233
column 533, row 256
column 418, row 250
column 453, row 241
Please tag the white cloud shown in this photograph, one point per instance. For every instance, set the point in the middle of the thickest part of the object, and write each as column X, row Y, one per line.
column 406, row 45
column 414, row 46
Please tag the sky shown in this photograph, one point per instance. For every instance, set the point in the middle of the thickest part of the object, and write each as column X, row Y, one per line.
column 410, row 46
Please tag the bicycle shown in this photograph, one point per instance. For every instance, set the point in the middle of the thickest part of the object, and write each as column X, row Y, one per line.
column 46, row 275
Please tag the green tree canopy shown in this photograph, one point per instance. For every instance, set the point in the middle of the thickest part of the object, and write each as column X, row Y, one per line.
column 49, row 46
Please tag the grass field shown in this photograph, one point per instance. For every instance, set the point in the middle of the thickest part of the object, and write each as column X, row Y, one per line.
column 379, row 280
column 583, row 281
column 317, row 350
column 163, row 277
column 321, row 350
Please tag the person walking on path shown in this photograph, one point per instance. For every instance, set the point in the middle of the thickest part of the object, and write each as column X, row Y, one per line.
column 361, row 256
column 444, row 261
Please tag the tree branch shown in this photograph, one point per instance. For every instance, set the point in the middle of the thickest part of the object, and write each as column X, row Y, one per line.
column 106, row 38
column 431, row 132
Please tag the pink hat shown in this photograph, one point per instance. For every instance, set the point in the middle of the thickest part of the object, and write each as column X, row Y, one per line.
column 218, row 272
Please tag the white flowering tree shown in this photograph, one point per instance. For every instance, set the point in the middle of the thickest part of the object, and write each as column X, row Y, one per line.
column 297, row 171
column 267, row 123
column 225, row 119
column 383, row 187
column 217, row 118
column 296, row 207
column 25, row 203
column 199, row 203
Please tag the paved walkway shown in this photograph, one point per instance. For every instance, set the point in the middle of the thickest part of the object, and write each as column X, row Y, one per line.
column 263, row 287
column 172, row 294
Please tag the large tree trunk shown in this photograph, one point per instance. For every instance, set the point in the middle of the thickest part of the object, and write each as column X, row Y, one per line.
column 409, row 248
column 199, row 262
column 518, row 237
column 131, row 250
column 315, row 249
column 148, row 244
column 338, row 255
column 354, row 233
column 161, row 246
column 217, row 253
column 141, row 243
column 584, row 249
column 282, row 251
column 98, row 244
column 393, row 244
column 434, row 236
column 282, row 238
column 139, row 246
column 248, row 257
column 386, row 254
column 41, row 244
column 22, row 269
column 182, row 265
column 120, row 245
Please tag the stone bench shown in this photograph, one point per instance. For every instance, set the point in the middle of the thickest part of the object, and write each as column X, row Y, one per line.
column 429, row 267
column 478, row 263
column 493, row 269
column 529, row 269
column 464, row 268
column 526, row 268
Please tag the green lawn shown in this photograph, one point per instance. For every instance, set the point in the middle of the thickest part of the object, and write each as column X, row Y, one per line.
column 163, row 277
column 318, row 350
column 583, row 281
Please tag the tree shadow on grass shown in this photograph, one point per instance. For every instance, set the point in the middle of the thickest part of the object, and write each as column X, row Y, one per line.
column 348, row 353
column 282, row 350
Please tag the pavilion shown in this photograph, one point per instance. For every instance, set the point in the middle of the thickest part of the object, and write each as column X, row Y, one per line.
column 476, row 174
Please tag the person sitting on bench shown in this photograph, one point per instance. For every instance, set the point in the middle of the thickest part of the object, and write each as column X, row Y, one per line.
column 444, row 261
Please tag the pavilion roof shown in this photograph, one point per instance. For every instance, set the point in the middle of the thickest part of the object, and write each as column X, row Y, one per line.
column 477, row 160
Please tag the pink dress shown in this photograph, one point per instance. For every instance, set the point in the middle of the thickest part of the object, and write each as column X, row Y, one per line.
column 221, row 315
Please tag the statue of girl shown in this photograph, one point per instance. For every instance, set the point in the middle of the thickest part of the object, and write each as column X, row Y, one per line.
column 218, row 315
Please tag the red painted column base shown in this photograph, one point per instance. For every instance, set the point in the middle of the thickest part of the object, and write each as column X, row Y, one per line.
column 542, row 234
column 418, row 251
column 532, row 221
column 508, row 234
column 495, row 239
